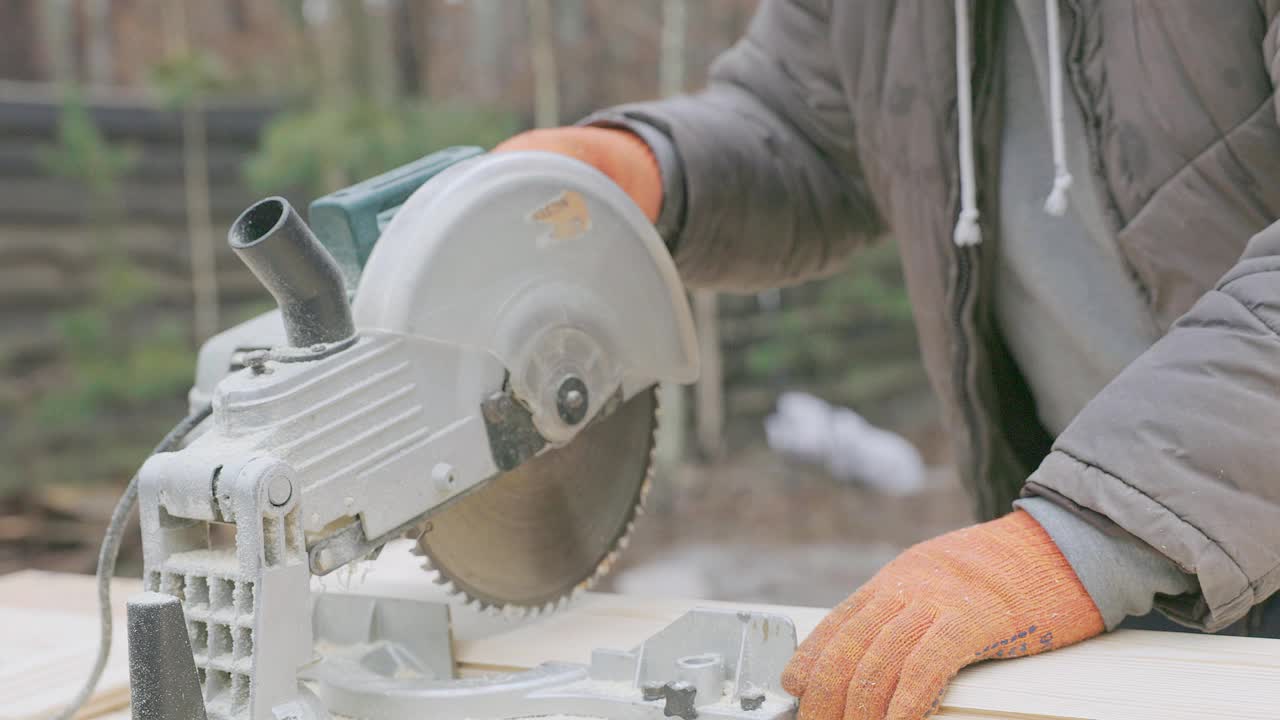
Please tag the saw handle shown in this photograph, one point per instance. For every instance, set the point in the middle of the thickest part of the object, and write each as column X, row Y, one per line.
column 349, row 221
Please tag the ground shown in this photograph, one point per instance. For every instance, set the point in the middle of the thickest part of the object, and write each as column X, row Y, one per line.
column 758, row 528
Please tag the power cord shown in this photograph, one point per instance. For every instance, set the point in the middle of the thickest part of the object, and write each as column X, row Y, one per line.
column 109, row 553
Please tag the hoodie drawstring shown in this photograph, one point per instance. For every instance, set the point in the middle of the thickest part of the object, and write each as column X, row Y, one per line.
column 1056, row 203
column 967, row 232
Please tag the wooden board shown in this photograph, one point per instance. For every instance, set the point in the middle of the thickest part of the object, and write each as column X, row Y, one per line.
column 1130, row 675
column 1126, row 675
column 48, row 641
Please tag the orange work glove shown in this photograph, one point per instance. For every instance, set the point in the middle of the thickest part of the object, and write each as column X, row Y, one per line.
column 620, row 154
column 1001, row 589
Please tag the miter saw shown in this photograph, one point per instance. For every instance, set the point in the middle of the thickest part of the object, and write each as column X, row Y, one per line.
column 465, row 354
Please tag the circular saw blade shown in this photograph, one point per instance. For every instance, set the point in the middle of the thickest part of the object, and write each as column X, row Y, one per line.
column 530, row 537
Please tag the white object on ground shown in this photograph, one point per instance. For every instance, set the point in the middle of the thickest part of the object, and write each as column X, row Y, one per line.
column 810, row 575
column 851, row 449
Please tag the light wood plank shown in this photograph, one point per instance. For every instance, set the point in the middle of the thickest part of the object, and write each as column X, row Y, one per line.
column 1129, row 675
column 1126, row 675
column 48, row 641
column 37, row 589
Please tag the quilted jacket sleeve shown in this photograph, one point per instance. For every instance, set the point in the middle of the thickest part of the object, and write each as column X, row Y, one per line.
column 1181, row 449
column 773, row 193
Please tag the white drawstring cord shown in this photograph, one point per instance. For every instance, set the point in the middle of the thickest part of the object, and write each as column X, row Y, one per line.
column 1056, row 203
column 967, row 231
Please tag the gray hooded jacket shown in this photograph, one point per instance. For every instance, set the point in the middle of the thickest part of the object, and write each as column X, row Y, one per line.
column 836, row 121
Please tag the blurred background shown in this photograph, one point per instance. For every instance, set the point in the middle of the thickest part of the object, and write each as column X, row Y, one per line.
column 133, row 131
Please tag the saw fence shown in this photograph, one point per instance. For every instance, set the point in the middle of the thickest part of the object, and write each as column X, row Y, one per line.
column 48, row 633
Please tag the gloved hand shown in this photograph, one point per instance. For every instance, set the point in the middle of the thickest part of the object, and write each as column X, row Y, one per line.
column 620, row 154
column 1001, row 589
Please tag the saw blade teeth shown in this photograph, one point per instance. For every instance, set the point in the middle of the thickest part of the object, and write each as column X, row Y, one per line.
column 514, row 611
column 437, row 577
column 446, row 586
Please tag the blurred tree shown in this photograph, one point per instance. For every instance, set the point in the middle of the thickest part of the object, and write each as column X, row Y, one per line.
column 671, row 77
column 834, row 326
column 542, row 55
column 55, row 28
column 117, row 363
column 82, row 154
column 319, row 149
column 182, row 81
column 353, row 122
column 100, row 60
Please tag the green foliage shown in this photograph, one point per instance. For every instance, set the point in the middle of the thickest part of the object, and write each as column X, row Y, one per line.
column 113, row 372
column 186, row 78
column 320, row 149
column 873, row 288
column 92, row 417
column 82, row 154
column 804, row 338
column 116, row 362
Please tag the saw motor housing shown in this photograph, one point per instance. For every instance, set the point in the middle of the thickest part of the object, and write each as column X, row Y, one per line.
column 522, row 281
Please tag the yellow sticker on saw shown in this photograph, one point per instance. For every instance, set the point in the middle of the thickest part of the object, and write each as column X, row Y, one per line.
column 566, row 218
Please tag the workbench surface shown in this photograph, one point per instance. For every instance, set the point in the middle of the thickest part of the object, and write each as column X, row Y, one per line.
column 48, row 636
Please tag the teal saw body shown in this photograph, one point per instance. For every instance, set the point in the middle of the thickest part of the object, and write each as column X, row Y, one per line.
column 349, row 221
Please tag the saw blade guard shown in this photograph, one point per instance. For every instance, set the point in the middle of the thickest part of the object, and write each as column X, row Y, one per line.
column 545, row 263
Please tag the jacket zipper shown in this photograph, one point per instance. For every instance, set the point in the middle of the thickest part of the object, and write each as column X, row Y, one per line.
column 965, row 260
column 964, row 397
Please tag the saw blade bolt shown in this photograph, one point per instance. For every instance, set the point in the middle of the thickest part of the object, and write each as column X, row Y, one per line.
column 442, row 475
column 571, row 400
column 280, row 490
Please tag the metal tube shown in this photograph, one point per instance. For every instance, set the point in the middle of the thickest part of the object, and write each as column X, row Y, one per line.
column 296, row 269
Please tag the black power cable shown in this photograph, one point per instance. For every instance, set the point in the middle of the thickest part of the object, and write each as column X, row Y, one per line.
column 110, row 552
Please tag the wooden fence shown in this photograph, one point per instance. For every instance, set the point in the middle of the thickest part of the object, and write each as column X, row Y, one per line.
column 847, row 338
column 51, row 269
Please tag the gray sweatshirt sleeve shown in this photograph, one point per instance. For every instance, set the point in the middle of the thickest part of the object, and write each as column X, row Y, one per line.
column 1121, row 574
column 773, row 190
